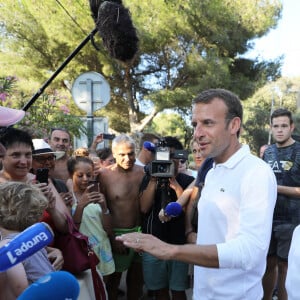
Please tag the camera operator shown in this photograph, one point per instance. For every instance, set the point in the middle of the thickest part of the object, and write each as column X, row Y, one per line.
column 165, row 186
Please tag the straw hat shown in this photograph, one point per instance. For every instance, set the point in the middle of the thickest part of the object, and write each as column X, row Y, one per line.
column 41, row 147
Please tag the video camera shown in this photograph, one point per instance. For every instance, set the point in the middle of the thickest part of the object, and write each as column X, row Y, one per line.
column 163, row 165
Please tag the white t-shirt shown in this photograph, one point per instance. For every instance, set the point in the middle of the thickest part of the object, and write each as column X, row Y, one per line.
column 139, row 163
column 235, row 212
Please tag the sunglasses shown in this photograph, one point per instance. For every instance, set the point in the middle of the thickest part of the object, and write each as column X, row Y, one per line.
column 183, row 161
column 43, row 159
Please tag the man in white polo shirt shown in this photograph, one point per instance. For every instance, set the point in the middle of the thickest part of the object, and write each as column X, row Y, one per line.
column 235, row 209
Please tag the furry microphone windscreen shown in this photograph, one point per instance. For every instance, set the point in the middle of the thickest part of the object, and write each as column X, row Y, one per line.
column 95, row 4
column 116, row 30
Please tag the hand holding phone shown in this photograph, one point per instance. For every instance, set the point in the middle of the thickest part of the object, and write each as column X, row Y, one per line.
column 95, row 186
column 42, row 175
column 107, row 136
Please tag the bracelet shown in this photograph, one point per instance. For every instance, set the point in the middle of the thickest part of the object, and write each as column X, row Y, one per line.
column 107, row 212
column 188, row 232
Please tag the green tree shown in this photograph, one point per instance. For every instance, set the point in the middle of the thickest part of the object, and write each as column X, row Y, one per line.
column 185, row 47
column 170, row 123
column 282, row 93
column 47, row 112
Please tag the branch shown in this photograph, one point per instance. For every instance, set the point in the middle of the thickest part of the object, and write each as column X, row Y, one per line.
column 141, row 125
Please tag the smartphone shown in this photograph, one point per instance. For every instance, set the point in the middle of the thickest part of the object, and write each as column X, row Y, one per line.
column 42, row 175
column 95, row 187
column 107, row 136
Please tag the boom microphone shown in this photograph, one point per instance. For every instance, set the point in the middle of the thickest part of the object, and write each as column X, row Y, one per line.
column 26, row 243
column 59, row 285
column 95, row 4
column 115, row 28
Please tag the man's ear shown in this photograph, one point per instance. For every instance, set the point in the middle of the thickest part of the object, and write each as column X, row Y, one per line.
column 292, row 127
column 235, row 125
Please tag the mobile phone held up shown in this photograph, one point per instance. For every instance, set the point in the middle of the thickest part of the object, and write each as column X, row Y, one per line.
column 107, row 136
column 95, row 186
column 42, row 175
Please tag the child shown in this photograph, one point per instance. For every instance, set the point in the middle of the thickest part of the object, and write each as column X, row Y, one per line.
column 21, row 205
column 90, row 212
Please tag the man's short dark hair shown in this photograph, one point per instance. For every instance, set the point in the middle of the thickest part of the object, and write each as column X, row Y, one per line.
column 147, row 137
column 173, row 142
column 104, row 153
column 282, row 112
column 231, row 100
column 60, row 129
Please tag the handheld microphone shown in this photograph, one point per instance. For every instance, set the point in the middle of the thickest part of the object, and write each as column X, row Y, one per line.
column 59, row 285
column 26, row 243
column 173, row 209
column 149, row 146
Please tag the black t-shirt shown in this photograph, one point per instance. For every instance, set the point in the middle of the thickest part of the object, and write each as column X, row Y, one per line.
column 285, row 163
column 172, row 232
column 60, row 185
column 205, row 167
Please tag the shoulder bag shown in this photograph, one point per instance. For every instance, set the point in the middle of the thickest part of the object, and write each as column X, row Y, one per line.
column 79, row 256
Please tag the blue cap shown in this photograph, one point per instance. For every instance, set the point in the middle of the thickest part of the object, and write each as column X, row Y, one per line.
column 149, row 146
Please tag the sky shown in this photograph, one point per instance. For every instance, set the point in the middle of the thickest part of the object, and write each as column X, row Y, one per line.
column 283, row 40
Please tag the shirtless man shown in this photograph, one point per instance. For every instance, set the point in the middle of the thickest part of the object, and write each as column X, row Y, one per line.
column 120, row 184
column 60, row 140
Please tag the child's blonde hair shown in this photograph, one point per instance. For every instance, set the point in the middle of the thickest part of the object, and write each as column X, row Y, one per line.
column 21, row 205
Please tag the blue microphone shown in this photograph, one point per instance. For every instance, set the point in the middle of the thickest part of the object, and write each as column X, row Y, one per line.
column 59, row 285
column 26, row 243
column 149, row 146
column 173, row 209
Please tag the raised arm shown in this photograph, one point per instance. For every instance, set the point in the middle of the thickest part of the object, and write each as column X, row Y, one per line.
column 147, row 196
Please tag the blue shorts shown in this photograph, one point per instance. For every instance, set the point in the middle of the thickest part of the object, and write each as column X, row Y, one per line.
column 160, row 274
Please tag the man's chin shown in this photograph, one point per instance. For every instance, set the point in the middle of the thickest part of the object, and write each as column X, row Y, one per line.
column 126, row 168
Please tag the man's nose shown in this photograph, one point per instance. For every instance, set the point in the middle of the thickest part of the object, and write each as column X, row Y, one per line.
column 198, row 132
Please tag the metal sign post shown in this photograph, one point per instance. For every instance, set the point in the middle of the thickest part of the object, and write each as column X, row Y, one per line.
column 90, row 92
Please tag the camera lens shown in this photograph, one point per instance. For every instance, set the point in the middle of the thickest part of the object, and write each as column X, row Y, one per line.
column 162, row 168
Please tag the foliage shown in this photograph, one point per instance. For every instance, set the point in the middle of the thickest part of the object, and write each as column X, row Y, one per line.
column 170, row 123
column 47, row 112
column 282, row 93
column 185, row 47
column 6, row 86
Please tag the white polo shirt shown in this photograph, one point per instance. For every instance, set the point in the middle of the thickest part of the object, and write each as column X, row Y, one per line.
column 292, row 282
column 235, row 212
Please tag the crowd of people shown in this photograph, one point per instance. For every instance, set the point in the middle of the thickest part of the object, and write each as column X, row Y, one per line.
column 232, row 234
